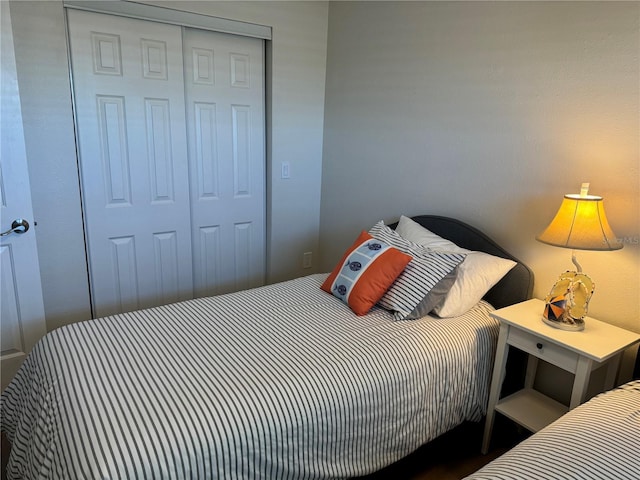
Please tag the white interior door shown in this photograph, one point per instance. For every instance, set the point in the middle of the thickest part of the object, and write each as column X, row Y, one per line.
column 224, row 79
column 130, row 113
column 21, row 306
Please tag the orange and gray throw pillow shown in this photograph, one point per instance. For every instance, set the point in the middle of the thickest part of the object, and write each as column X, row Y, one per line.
column 365, row 272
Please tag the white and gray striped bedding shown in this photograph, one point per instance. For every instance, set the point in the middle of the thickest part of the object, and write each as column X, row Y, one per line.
column 596, row 441
column 278, row 382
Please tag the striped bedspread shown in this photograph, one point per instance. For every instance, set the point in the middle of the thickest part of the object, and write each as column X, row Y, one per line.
column 283, row 381
column 599, row 440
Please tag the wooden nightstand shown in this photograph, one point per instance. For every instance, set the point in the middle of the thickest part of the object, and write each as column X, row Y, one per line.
column 577, row 352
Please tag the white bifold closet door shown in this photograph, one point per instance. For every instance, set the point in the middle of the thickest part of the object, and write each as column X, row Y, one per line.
column 170, row 131
column 224, row 79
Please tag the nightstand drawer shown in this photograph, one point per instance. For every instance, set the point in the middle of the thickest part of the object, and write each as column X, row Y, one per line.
column 543, row 349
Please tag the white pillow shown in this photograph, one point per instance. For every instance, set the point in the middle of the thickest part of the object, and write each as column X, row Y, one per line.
column 476, row 274
column 416, row 233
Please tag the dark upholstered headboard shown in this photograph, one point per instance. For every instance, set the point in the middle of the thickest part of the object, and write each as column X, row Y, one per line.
column 516, row 286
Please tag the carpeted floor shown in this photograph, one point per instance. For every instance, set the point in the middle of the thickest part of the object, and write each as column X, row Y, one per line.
column 454, row 455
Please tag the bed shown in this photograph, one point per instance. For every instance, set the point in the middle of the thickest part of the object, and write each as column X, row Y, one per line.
column 283, row 381
column 599, row 439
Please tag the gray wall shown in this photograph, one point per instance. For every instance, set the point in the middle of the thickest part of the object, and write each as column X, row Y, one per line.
column 297, row 68
column 489, row 112
column 45, row 94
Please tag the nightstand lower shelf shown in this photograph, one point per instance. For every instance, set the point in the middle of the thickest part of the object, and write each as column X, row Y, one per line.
column 531, row 409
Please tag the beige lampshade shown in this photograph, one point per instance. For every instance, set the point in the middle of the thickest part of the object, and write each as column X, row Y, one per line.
column 580, row 224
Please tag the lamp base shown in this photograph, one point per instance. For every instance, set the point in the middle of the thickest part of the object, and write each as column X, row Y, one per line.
column 575, row 326
column 568, row 301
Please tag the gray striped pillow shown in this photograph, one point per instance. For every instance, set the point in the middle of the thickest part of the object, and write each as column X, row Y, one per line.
column 423, row 282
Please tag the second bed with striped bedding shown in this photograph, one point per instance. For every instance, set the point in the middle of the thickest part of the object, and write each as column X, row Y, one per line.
column 283, row 381
column 599, row 440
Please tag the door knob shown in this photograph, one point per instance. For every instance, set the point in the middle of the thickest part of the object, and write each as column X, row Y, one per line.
column 19, row 225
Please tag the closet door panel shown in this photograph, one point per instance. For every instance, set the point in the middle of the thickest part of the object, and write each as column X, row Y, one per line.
column 224, row 77
column 130, row 114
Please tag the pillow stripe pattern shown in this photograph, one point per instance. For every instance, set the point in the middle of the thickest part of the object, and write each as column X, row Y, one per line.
column 418, row 278
column 356, row 265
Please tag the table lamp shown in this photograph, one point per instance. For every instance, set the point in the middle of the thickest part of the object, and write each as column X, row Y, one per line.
column 580, row 224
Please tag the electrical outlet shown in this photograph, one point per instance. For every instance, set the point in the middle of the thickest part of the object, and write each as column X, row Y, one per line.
column 286, row 170
column 307, row 258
